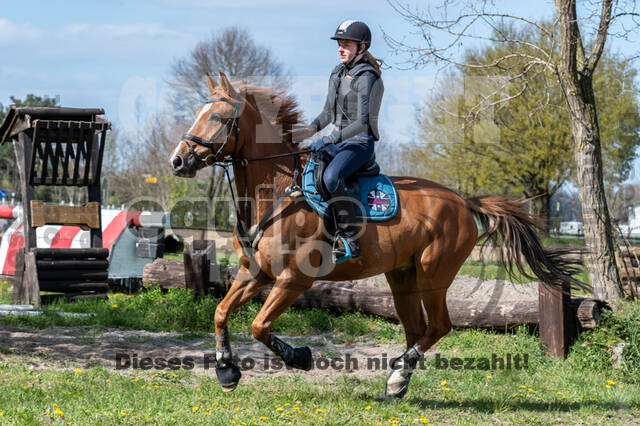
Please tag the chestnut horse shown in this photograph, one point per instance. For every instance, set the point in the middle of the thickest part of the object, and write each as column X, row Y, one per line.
column 420, row 250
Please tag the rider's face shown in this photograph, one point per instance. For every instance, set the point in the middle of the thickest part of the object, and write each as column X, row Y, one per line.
column 347, row 50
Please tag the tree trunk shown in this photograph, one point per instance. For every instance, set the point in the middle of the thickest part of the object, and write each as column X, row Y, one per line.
column 600, row 259
column 575, row 72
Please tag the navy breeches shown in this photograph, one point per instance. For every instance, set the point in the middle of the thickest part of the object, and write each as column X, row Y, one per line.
column 347, row 158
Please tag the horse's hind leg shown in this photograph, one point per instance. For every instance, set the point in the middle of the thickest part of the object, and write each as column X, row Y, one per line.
column 408, row 303
column 436, row 268
column 244, row 288
column 284, row 293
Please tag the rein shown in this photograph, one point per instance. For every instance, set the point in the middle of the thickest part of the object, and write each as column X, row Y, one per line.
column 252, row 235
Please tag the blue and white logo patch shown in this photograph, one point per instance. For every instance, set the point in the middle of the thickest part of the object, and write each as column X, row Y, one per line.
column 378, row 201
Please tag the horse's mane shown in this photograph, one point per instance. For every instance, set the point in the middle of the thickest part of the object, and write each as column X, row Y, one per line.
column 275, row 105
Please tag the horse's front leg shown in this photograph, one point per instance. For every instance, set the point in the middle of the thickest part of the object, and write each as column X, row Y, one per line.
column 284, row 293
column 244, row 288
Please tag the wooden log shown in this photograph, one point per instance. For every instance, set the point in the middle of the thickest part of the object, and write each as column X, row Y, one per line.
column 73, row 286
column 73, row 274
column 55, row 265
column 68, row 254
column 372, row 300
column 166, row 273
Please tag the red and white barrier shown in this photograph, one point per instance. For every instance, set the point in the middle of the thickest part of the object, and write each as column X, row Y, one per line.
column 114, row 223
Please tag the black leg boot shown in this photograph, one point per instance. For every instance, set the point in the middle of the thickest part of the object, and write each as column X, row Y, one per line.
column 345, row 245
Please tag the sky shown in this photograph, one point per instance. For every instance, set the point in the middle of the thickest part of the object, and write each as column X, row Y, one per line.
column 117, row 54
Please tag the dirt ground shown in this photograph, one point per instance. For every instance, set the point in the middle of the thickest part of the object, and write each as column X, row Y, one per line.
column 83, row 347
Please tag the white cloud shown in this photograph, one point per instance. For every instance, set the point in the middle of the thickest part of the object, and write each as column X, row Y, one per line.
column 110, row 31
column 11, row 33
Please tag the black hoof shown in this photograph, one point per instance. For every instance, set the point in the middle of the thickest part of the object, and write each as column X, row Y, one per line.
column 228, row 376
column 302, row 358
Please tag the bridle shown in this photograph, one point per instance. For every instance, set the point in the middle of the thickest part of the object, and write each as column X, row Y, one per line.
column 210, row 143
column 246, row 236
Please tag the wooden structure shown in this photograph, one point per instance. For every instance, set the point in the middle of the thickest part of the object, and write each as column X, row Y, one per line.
column 60, row 147
column 628, row 259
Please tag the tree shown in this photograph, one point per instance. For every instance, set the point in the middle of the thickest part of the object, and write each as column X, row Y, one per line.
column 525, row 148
column 444, row 29
column 234, row 52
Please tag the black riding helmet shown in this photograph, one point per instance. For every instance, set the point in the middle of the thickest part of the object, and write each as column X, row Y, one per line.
column 354, row 30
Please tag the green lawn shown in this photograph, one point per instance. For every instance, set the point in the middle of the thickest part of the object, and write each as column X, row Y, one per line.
column 585, row 388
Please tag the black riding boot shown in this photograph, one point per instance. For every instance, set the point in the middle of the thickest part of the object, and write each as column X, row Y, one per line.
column 345, row 245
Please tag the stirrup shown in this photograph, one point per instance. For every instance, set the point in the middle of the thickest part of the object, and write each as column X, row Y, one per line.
column 341, row 254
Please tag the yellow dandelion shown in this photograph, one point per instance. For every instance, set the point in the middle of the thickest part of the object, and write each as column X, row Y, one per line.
column 25, row 387
column 279, row 409
column 314, row 398
column 264, row 418
column 442, row 383
column 523, row 386
column 197, row 389
column 607, row 386
column 136, row 379
column 531, row 390
column 446, row 388
column 286, row 404
column 1, row 414
column 368, row 407
column 195, row 408
column 489, row 377
column 611, row 382
column 321, row 418
column 174, row 375
column 77, row 371
column 123, row 413
column 115, row 305
column 108, row 379
column 55, row 405
column 59, row 412
column 559, row 393
column 619, row 386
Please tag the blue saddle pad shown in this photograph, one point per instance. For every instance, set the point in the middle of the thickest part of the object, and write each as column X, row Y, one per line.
column 377, row 194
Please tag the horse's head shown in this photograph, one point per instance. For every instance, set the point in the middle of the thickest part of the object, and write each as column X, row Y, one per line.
column 215, row 132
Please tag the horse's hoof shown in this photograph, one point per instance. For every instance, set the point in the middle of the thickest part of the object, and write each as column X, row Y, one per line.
column 302, row 358
column 397, row 383
column 228, row 376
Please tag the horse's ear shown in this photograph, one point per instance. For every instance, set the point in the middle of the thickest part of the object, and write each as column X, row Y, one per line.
column 226, row 85
column 211, row 83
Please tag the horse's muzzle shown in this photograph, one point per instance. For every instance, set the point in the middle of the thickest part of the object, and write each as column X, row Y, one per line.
column 182, row 167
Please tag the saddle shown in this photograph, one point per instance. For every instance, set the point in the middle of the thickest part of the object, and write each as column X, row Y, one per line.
column 369, row 169
column 375, row 191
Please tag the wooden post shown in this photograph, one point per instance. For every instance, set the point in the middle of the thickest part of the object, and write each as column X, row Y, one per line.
column 557, row 324
column 23, row 150
column 196, row 265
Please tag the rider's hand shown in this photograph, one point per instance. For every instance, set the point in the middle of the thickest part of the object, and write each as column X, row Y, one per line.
column 318, row 144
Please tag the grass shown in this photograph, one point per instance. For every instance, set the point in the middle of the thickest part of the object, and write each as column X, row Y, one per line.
column 584, row 388
column 177, row 310
column 224, row 259
column 490, row 270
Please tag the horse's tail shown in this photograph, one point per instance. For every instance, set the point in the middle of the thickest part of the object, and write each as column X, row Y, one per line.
column 508, row 225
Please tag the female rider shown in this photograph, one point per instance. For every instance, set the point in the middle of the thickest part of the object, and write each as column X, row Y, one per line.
column 352, row 105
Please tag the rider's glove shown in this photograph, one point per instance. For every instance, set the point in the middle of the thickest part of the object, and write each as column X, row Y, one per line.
column 318, row 144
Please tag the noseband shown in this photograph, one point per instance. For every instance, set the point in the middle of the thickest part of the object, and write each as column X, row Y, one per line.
column 210, row 143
